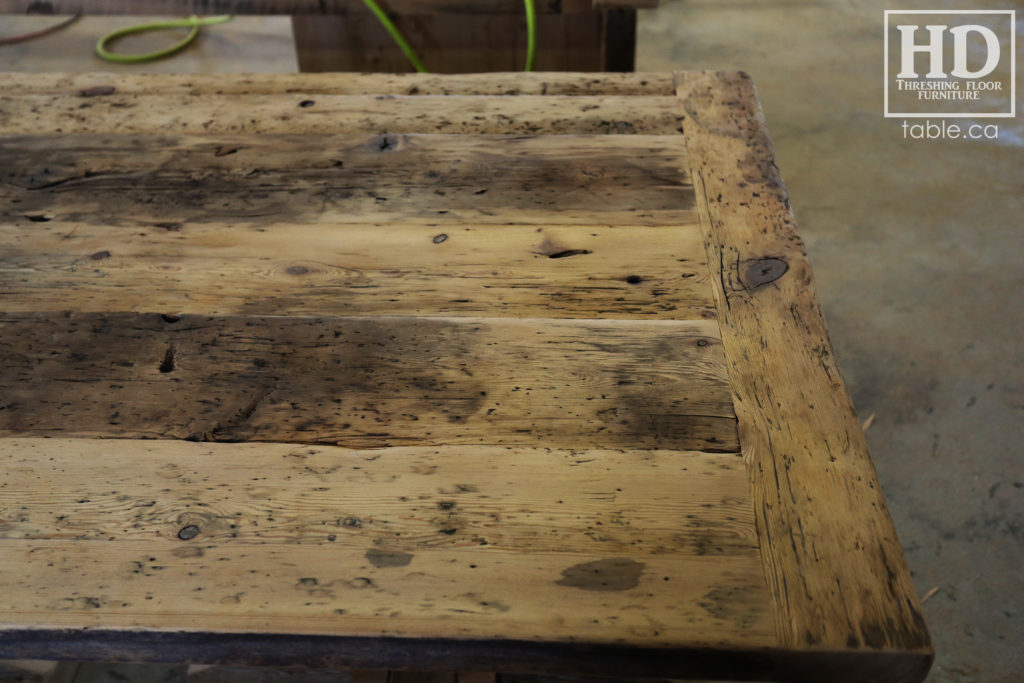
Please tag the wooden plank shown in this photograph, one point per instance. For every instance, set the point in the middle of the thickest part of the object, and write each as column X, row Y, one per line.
column 835, row 569
column 354, row 270
column 336, row 114
column 261, row 180
column 162, row 7
column 293, row 540
column 365, row 382
column 508, row 84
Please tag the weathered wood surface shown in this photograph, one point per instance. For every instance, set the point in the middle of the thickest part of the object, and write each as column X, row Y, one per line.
column 452, row 542
column 452, row 43
column 367, row 382
column 577, row 85
column 142, row 180
column 162, row 7
column 265, row 225
column 215, row 268
column 834, row 566
column 564, row 343
column 337, row 114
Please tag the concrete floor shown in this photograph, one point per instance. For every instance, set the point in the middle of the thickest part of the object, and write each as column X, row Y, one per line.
column 917, row 247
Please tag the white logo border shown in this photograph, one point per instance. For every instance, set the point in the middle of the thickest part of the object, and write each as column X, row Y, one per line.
column 1013, row 65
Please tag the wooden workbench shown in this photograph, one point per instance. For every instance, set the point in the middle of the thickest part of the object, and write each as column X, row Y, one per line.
column 495, row 372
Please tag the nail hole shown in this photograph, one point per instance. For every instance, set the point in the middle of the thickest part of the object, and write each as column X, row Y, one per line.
column 187, row 533
column 440, row 238
column 100, row 255
column 307, row 103
column 634, row 279
column 168, row 363
column 702, row 342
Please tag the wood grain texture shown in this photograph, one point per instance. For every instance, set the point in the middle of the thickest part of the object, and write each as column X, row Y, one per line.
column 539, row 324
column 274, row 225
column 834, row 565
column 336, row 114
column 454, row 542
column 507, row 84
column 212, row 268
column 146, row 180
column 366, row 382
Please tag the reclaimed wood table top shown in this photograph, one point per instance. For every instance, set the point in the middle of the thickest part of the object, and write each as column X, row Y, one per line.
column 494, row 372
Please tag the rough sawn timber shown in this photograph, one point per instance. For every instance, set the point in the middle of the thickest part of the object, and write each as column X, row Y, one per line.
column 369, row 381
column 834, row 566
column 565, row 321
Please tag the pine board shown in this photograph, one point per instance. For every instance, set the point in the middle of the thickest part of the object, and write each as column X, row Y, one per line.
column 490, row 372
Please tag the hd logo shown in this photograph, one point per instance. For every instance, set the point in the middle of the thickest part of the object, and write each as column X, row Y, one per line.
column 950, row 63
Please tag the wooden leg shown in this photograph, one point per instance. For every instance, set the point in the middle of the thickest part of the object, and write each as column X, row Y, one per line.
column 620, row 40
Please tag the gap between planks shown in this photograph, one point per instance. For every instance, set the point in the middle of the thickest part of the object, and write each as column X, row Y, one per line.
column 835, row 570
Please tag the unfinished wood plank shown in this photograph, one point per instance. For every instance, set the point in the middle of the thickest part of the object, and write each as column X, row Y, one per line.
column 353, row 270
column 834, row 565
column 457, row 304
column 626, row 4
column 366, row 382
column 509, row 84
column 619, row 41
column 451, row 43
column 421, row 554
column 337, row 114
column 387, row 503
column 141, row 181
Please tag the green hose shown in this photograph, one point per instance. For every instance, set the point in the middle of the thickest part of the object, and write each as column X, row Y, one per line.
column 531, row 35
column 396, row 35
column 193, row 23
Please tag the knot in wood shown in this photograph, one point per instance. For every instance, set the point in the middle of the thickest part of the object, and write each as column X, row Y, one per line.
column 763, row 271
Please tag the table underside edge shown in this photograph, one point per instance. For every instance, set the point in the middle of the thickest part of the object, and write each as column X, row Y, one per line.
column 436, row 654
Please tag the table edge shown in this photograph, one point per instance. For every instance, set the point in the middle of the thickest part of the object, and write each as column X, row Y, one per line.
column 834, row 565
